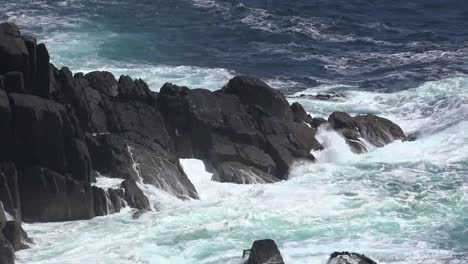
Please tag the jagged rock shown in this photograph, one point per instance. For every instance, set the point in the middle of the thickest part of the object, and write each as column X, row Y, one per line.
column 360, row 131
column 92, row 109
column 219, row 128
column 264, row 252
column 43, row 78
column 115, row 155
column 15, row 234
column 7, row 253
column 288, row 141
column 135, row 196
column 47, row 196
column 300, row 115
column 133, row 90
column 159, row 167
column 253, row 91
column 45, row 135
column 103, row 82
column 13, row 51
column 349, row 258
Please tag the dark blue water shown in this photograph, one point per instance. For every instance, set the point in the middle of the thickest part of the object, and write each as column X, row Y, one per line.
column 389, row 45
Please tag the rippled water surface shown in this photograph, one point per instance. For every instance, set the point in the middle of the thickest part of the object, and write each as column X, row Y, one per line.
column 404, row 60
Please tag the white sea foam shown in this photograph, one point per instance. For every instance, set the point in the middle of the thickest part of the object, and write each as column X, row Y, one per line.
column 106, row 182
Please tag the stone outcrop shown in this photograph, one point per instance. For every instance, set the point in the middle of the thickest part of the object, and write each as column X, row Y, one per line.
column 238, row 133
column 349, row 258
column 365, row 131
column 263, row 252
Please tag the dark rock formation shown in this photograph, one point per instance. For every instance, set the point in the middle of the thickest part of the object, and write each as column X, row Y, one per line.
column 247, row 138
column 364, row 130
column 47, row 196
column 331, row 96
column 349, row 258
column 264, row 252
column 7, row 253
column 9, row 190
column 59, row 130
column 15, row 234
column 253, row 91
column 6, row 249
column 134, row 196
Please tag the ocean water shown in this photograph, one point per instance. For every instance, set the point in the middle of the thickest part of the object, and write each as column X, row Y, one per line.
column 404, row 60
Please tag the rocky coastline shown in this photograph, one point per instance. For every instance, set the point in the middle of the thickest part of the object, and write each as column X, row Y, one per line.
column 60, row 132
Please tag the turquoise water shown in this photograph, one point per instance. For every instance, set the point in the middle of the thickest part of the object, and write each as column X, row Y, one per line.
column 406, row 203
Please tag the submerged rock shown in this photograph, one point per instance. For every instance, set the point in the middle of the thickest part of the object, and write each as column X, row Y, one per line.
column 349, row 258
column 263, row 252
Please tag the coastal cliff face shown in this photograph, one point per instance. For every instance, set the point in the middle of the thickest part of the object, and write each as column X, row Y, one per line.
column 59, row 131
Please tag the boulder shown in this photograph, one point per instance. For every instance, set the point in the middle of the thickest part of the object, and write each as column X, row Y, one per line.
column 253, row 91
column 135, row 196
column 264, row 252
column 364, row 130
column 349, row 258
